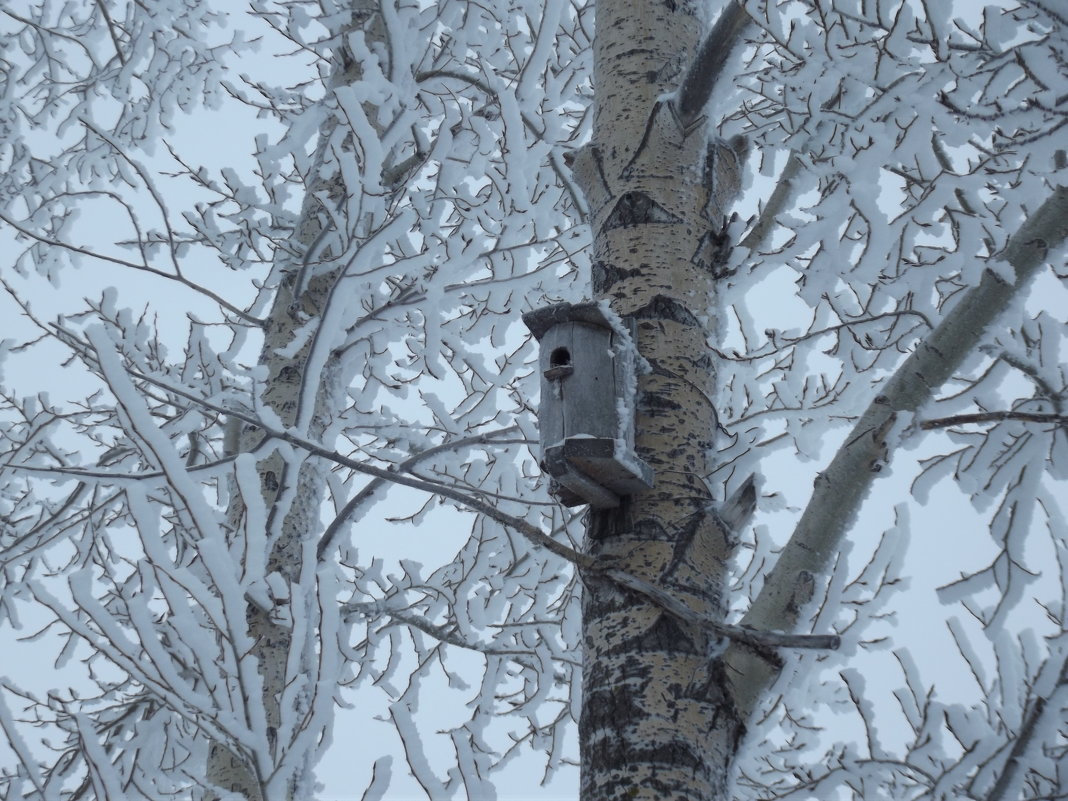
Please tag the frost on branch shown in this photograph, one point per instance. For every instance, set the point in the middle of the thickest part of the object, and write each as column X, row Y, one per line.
column 355, row 282
column 908, row 149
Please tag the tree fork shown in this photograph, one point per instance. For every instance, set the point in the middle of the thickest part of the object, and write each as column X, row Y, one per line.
column 842, row 487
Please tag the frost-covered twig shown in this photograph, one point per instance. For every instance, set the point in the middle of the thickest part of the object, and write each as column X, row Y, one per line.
column 181, row 279
column 660, row 597
column 440, row 633
column 841, row 488
column 367, row 492
column 1015, row 761
column 788, row 342
column 577, row 197
column 531, row 532
column 111, row 30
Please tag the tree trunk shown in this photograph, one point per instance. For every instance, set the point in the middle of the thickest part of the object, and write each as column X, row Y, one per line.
column 303, row 391
column 657, row 719
column 296, row 498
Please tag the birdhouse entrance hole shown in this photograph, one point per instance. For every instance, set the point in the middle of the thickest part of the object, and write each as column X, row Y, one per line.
column 559, row 364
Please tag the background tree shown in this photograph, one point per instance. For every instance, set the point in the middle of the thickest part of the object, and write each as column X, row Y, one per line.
column 204, row 521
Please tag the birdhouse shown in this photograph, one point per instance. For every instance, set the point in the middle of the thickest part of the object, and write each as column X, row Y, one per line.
column 586, row 419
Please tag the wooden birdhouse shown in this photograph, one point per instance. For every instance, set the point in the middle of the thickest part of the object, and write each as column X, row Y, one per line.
column 586, row 419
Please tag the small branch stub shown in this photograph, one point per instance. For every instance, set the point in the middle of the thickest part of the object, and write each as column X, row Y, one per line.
column 586, row 420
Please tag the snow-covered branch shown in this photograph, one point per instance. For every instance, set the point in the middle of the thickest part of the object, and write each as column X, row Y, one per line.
column 842, row 487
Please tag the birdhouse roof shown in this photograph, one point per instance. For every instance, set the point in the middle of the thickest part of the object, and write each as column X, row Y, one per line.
column 541, row 320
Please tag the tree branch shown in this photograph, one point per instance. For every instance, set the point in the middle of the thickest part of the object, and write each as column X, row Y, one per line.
column 789, row 342
column 111, row 30
column 528, row 530
column 993, row 417
column 843, row 486
column 784, row 190
column 707, row 67
column 1015, row 762
column 361, row 497
column 439, row 633
column 577, row 197
column 133, row 265
column 740, row 633
column 743, row 634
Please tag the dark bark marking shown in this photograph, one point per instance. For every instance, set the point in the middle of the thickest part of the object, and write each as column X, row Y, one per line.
column 711, row 689
column 666, row 634
column 606, row 276
column 684, row 538
column 652, row 402
column 637, row 208
column 713, row 252
column 662, row 307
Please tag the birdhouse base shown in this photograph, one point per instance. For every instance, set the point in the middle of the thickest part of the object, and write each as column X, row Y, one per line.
column 593, row 470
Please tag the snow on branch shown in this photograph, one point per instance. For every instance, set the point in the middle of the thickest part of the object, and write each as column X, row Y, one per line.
column 842, row 487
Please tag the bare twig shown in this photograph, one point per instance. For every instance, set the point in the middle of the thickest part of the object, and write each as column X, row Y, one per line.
column 993, row 417
column 111, row 30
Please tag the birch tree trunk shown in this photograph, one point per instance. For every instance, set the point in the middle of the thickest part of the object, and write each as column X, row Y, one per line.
column 295, row 498
column 302, row 391
column 657, row 721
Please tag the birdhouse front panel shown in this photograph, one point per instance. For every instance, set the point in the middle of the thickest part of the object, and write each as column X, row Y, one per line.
column 579, row 381
column 586, row 423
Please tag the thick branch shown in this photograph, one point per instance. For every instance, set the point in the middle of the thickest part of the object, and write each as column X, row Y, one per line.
column 993, row 417
column 756, row 639
column 707, row 68
column 843, row 486
column 784, row 190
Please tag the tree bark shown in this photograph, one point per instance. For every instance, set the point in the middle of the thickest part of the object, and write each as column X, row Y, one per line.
column 657, row 721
